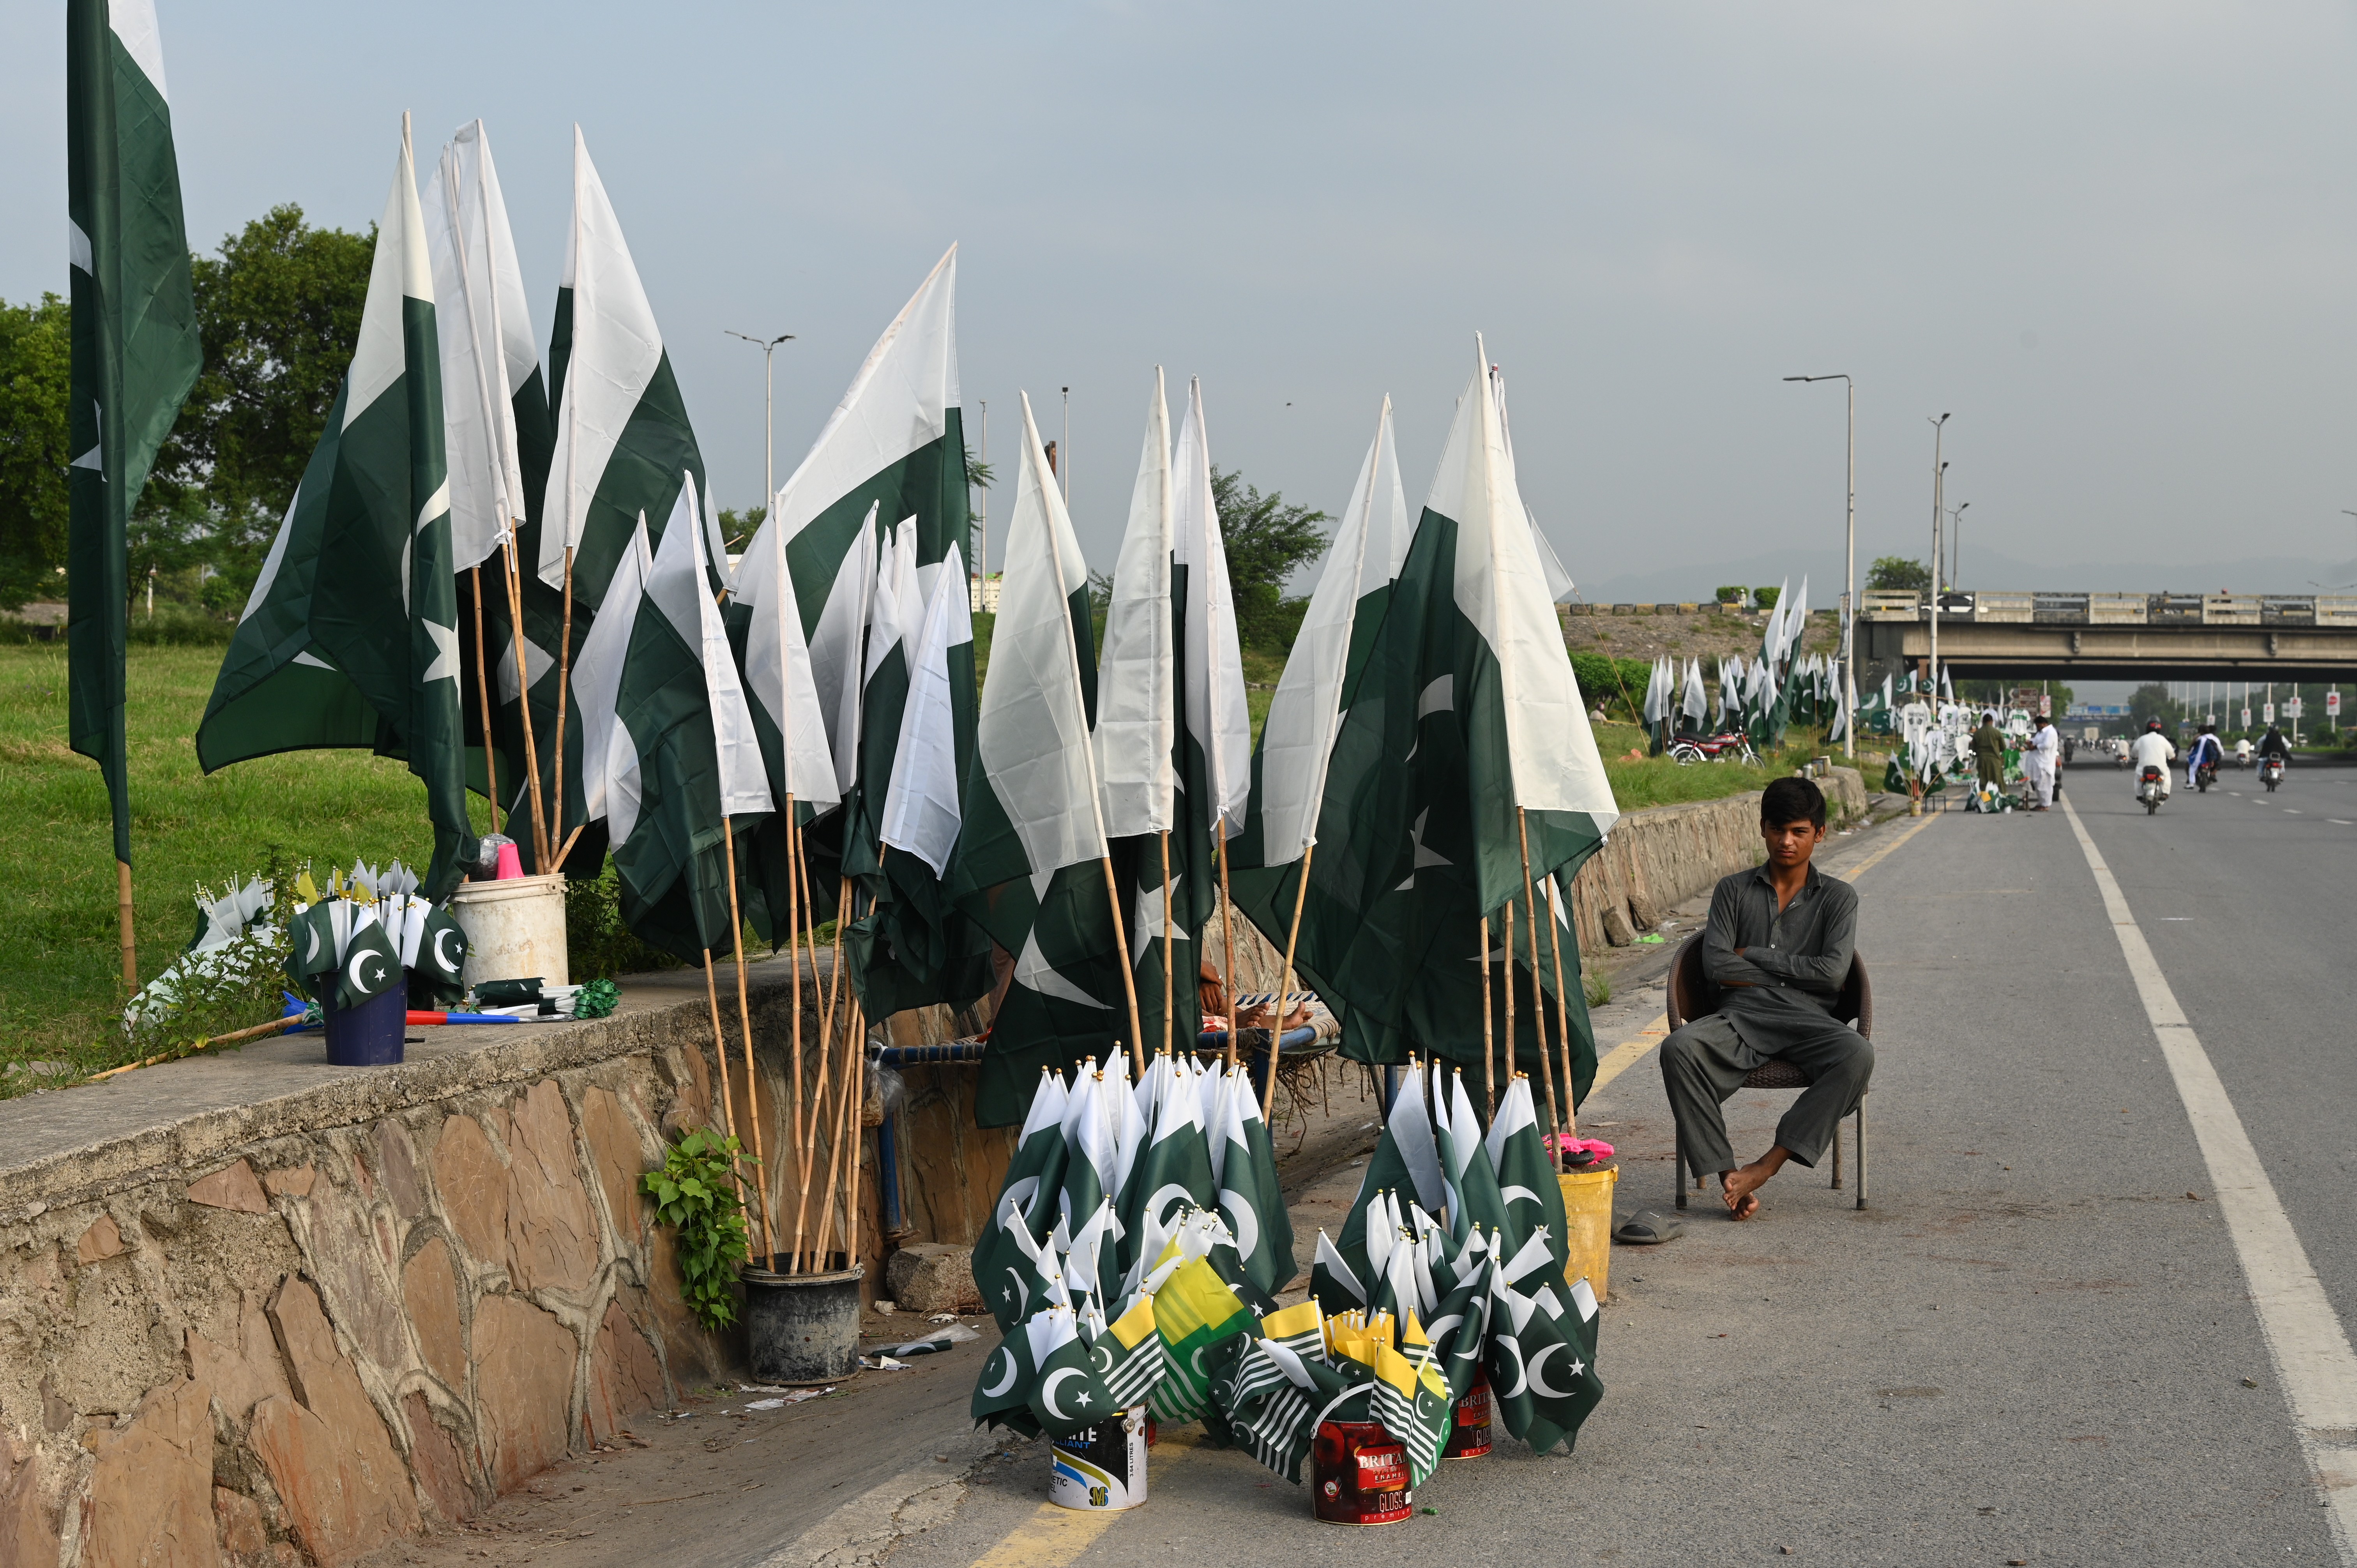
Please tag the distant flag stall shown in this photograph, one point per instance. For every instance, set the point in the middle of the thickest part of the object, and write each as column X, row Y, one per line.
column 135, row 356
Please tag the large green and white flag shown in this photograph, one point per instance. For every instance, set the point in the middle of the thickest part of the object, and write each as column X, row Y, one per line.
column 668, row 749
column 1215, row 725
column 1028, row 868
column 891, row 458
column 1465, row 731
column 922, row 805
column 350, row 636
column 136, row 353
column 495, row 423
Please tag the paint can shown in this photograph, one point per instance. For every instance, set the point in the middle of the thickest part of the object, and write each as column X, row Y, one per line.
column 1468, row 1423
column 371, row 1034
column 1359, row 1474
column 1101, row 1468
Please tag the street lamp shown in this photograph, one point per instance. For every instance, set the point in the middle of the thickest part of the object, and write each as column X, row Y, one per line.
column 1849, row 598
column 768, row 346
column 1939, row 493
column 1956, row 543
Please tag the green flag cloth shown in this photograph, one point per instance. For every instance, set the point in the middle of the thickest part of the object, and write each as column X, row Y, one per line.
column 1002, row 1394
column 1465, row 735
column 1250, row 1198
column 370, row 965
column 1532, row 1196
column 1543, row 1380
column 442, row 953
column 135, row 352
column 350, row 636
column 1194, row 1312
column 1028, row 1197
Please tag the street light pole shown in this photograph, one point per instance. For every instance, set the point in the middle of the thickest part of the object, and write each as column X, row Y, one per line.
column 1956, row 543
column 768, row 346
column 1849, row 596
column 1939, row 496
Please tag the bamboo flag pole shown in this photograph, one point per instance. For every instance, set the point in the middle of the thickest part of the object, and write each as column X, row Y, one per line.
column 122, row 924
column 858, row 1122
column 1562, row 1020
column 1506, row 918
column 807, row 1162
column 1489, row 1049
column 540, row 837
column 846, row 1126
column 483, row 688
column 1227, row 940
column 1128, row 976
column 1285, row 985
column 1168, row 996
column 727, row 1095
column 1538, row 993
column 744, row 1025
column 794, row 1005
column 564, row 689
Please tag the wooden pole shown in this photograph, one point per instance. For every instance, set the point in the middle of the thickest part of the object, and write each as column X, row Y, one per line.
column 1227, row 939
column 1506, row 919
column 846, row 1125
column 274, row 1026
column 540, row 835
column 752, row 1072
column 1488, row 1047
column 483, row 687
column 858, row 1138
column 563, row 691
column 1285, row 983
column 795, row 952
column 807, row 1163
column 123, row 923
column 1169, row 996
column 727, row 1095
column 1538, row 993
column 1570, row 1128
column 1128, row 976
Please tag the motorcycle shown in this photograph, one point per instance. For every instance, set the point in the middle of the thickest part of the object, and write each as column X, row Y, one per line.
column 2271, row 773
column 2152, row 789
column 2205, row 775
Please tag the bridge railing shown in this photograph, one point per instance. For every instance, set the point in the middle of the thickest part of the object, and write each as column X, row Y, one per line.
column 1989, row 606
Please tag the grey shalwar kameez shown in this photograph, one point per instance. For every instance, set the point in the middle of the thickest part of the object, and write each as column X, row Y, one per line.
column 1794, row 962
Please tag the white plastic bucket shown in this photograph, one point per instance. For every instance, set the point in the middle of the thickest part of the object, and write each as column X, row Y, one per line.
column 1101, row 1468
column 515, row 929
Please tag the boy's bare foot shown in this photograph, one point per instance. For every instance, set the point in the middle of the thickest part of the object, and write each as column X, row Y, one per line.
column 1742, row 1185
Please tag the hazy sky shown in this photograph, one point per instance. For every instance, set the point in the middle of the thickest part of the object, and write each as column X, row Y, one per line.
column 2117, row 240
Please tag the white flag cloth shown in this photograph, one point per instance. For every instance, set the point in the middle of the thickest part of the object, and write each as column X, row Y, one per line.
column 1216, row 716
column 1796, row 622
column 1032, row 733
column 1137, row 675
column 484, row 326
column 616, row 349
column 610, row 756
column 778, row 677
column 920, row 807
column 679, row 585
column 1297, row 743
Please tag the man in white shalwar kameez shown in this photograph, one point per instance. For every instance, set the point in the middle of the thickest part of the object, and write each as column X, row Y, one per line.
column 2038, row 761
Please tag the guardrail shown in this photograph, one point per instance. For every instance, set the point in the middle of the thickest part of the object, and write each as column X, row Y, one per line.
column 1988, row 607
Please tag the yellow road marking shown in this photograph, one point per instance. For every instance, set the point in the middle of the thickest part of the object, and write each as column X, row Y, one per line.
column 1048, row 1539
column 1625, row 1055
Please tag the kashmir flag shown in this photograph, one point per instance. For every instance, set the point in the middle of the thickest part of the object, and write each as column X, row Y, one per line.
column 136, row 353
column 668, row 749
column 891, row 457
column 1467, row 727
column 1194, row 1312
column 1030, row 864
column 350, row 636
column 1128, row 1357
column 1411, row 1400
column 495, row 424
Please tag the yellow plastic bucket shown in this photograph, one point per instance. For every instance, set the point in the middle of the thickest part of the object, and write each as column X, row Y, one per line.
column 1588, row 1215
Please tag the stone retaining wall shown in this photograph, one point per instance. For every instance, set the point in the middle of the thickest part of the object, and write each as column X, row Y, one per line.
column 1657, row 858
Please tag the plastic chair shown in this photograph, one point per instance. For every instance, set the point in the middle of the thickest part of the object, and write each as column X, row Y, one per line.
column 1692, row 994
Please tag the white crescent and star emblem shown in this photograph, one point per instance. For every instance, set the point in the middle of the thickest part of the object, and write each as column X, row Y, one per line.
column 1048, row 1392
column 1172, row 1191
column 366, row 984
column 1521, row 1377
column 1535, row 1375
column 449, row 965
column 1101, row 1357
column 1247, row 1223
column 1005, row 1383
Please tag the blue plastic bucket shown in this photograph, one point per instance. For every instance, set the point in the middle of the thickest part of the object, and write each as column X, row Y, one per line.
column 371, row 1034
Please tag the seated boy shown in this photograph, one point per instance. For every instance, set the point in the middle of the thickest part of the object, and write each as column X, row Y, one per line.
column 1779, row 946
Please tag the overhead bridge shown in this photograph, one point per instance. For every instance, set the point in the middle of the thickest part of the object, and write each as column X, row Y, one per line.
column 2118, row 637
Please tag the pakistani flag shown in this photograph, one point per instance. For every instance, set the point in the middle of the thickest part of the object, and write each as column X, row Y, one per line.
column 1542, row 1361
column 350, row 636
column 1030, row 865
column 370, row 965
column 1174, row 1172
column 668, row 749
column 1251, row 1200
column 1527, row 1185
column 1694, row 707
column 1002, row 1394
column 135, row 352
column 890, row 460
column 1028, row 1199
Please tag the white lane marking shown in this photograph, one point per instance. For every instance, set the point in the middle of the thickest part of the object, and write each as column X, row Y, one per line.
column 2337, row 823
column 2313, row 1362
column 2291, row 811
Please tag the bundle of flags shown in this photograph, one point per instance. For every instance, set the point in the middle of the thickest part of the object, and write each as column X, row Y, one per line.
column 1147, row 1211
column 365, row 930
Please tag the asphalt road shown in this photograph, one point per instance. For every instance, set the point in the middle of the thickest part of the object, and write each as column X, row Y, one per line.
column 2037, row 1345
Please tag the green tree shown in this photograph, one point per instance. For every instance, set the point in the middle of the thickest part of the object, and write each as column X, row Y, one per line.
column 1266, row 542
column 279, row 309
column 1898, row 574
column 36, row 354
column 2151, row 701
column 738, row 527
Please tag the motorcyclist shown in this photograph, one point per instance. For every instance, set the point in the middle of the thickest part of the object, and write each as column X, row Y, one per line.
column 2152, row 749
column 2205, row 748
column 2273, row 743
column 2243, row 751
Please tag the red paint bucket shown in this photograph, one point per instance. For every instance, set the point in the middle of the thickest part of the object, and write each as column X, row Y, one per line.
column 1468, row 1423
column 1359, row 1474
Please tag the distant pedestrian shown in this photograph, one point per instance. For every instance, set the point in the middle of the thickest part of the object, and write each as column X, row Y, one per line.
column 1988, row 752
column 2037, row 758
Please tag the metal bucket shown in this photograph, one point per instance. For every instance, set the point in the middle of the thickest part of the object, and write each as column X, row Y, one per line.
column 1468, row 1423
column 1101, row 1468
column 371, row 1034
column 515, row 929
column 802, row 1328
column 1359, row 1474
